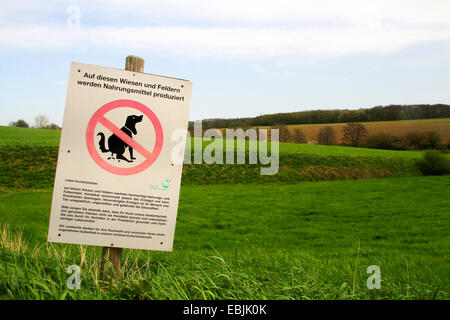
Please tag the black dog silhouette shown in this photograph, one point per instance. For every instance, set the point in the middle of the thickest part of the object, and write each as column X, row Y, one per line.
column 118, row 146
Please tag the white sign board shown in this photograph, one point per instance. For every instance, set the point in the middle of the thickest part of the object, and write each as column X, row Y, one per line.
column 116, row 183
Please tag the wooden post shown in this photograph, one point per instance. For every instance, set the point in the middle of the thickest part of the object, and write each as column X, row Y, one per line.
column 112, row 254
column 133, row 63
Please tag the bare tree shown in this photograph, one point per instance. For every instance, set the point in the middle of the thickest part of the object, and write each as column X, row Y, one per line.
column 355, row 134
column 298, row 136
column 41, row 121
column 326, row 136
column 284, row 134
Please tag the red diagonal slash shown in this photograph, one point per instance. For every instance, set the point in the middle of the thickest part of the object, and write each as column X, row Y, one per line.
column 124, row 137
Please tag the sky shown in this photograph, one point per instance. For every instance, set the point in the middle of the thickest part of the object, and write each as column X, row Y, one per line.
column 245, row 58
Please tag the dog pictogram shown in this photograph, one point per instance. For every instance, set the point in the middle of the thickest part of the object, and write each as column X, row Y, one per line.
column 116, row 145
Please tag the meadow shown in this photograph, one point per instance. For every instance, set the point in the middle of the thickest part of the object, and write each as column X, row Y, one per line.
column 238, row 236
column 11, row 136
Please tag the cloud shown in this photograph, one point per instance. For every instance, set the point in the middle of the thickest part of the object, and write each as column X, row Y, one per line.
column 280, row 11
column 238, row 29
column 220, row 42
column 259, row 69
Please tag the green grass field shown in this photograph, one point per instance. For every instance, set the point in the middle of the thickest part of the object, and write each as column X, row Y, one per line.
column 241, row 237
column 11, row 136
column 322, row 150
column 249, row 242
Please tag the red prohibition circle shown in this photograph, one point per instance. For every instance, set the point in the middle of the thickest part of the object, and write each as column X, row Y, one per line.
column 98, row 117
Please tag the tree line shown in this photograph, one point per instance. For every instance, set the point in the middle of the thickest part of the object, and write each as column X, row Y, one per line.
column 378, row 113
column 40, row 121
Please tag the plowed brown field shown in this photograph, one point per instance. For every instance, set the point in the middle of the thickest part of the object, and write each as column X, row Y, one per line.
column 399, row 128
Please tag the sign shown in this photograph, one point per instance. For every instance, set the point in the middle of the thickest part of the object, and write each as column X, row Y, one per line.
column 116, row 184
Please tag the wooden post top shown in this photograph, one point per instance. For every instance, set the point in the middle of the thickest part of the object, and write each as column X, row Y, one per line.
column 134, row 63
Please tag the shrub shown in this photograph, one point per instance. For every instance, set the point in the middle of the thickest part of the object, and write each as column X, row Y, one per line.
column 432, row 140
column 52, row 126
column 434, row 163
column 19, row 123
column 415, row 140
column 385, row 141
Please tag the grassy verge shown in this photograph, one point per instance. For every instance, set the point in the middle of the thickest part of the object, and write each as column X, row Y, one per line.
column 311, row 149
column 34, row 167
